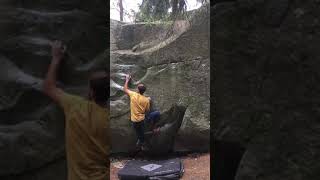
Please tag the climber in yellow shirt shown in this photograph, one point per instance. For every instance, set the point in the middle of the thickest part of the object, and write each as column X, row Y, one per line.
column 140, row 111
column 86, row 122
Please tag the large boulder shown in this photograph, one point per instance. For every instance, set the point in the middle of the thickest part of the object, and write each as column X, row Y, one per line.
column 31, row 125
column 172, row 60
column 266, row 59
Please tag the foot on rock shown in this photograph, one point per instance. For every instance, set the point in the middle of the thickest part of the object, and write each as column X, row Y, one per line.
column 156, row 130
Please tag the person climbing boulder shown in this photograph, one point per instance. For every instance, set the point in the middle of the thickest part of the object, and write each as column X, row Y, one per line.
column 86, row 121
column 140, row 112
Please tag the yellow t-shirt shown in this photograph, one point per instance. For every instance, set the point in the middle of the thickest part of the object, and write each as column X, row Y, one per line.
column 139, row 105
column 87, row 138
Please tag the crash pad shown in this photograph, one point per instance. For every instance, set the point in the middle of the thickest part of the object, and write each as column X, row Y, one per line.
column 152, row 169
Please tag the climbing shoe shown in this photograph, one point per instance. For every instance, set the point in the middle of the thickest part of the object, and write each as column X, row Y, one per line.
column 138, row 145
column 144, row 147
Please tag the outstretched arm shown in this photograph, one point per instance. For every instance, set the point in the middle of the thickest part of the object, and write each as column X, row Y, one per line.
column 49, row 86
column 125, row 87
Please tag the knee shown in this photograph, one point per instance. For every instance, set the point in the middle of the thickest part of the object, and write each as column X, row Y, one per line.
column 157, row 114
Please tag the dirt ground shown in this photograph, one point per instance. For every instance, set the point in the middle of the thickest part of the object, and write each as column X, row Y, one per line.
column 196, row 166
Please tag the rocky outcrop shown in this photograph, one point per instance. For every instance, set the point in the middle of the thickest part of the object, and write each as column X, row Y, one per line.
column 172, row 60
column 175, row 69
column 265, row 84
column 31, row 125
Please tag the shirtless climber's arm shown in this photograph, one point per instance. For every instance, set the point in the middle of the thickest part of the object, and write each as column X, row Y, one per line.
column 49, row 85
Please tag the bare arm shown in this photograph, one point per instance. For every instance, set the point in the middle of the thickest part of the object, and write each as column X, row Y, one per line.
column 148, row 105
column 125, row 87
column 49, row 86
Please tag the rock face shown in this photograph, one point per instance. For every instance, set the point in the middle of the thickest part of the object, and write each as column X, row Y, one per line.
column 266, row 86
column 31, row 126
column 175, row 67
column 172, row 60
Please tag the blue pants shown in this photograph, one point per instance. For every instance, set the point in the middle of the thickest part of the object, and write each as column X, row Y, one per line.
column 153, row 116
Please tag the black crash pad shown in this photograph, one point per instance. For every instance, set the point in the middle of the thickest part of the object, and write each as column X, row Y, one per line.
column 143, row 169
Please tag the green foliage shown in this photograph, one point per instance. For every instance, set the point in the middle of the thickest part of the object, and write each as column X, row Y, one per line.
column 152, row 10
column 155, row 10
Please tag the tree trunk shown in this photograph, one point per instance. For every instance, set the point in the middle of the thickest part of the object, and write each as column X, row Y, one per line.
column 121, row 10
column 174, row 8
column 182, row 5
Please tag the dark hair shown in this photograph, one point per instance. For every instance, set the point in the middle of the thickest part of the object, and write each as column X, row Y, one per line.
column 99, row 83
column 141, row 88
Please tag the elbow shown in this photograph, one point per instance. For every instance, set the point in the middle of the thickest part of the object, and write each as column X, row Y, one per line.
column 125, row 89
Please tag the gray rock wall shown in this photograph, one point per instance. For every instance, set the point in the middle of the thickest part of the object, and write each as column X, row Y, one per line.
column 31, row 125
column 175, row 69
column 265, row 84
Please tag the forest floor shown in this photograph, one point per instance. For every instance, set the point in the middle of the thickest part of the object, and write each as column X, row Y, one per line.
column 196, row 166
